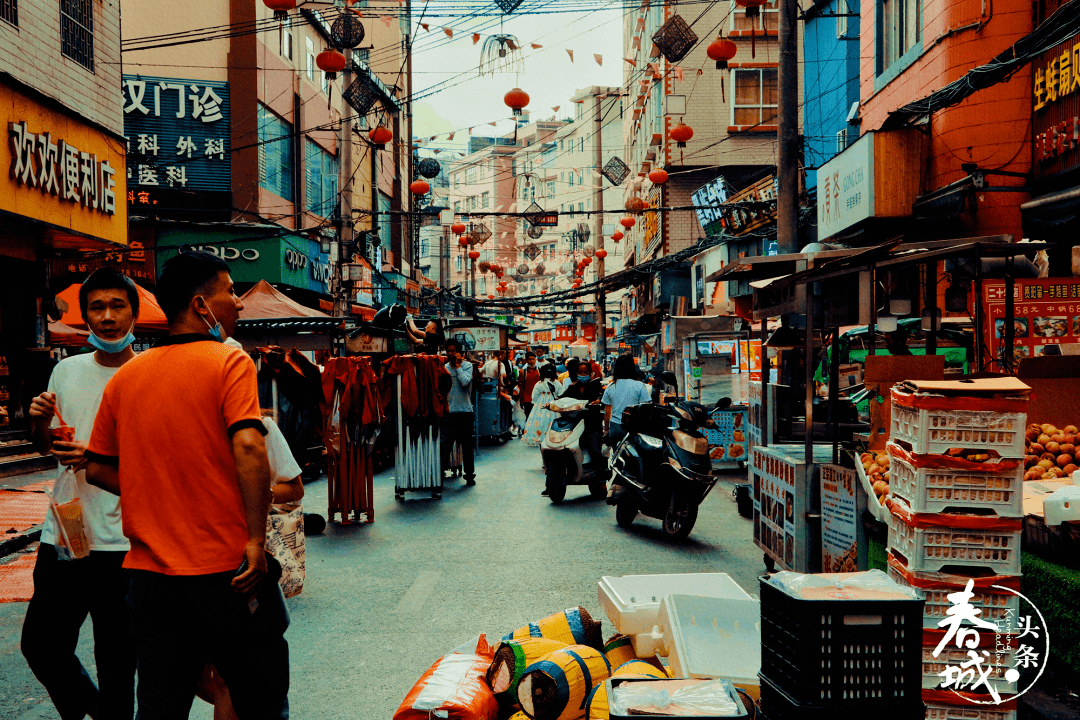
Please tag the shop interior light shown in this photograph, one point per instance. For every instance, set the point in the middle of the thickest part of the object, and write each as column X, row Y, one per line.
column 900, row 303
column 886, row 323
column 931, row 319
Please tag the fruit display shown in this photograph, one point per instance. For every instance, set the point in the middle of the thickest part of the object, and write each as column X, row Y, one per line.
column 1050, row 454
column 877, row 472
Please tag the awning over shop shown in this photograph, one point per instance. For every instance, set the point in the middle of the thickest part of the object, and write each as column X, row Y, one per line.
column 1051, row 210
column 263, row 302
column 151, row 318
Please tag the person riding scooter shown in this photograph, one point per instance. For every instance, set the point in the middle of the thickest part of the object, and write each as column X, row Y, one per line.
column 586, row 387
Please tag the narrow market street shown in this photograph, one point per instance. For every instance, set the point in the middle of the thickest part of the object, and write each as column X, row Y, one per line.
column 383, row 601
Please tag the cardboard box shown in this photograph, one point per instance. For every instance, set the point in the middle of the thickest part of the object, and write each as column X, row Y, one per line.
column 881, row 373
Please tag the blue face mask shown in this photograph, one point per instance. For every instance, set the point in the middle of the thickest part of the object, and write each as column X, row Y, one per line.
column 216, row 331
column 584, row 378
column 112, row 346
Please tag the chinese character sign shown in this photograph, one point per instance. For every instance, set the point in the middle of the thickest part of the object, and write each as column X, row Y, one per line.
column 177, row 134
column 1046, row 315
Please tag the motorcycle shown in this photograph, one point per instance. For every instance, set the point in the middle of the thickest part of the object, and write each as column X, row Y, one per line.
column 662, row 467
column 568, row 461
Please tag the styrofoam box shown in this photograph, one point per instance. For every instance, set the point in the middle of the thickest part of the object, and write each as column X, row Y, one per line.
column 967, row 711
column 931, row 549
column 956, row 657
column 712, row 637
column 935, row 432
column 992, row 606
column 632, row 602
column 935, row 490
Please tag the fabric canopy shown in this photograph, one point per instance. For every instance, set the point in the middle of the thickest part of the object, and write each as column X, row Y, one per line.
column 63, row 335
column 263, row 302
column 151, row 318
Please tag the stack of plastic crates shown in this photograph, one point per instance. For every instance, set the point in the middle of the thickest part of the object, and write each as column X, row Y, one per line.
column 956, row 514
column 833, row 652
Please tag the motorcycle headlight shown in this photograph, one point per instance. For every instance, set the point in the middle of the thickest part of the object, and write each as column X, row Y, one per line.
column 652, row 442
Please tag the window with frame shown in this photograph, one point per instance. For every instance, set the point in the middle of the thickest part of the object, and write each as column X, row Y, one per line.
column 457, row 207
column 767, row 18
column 9, row 12
column 901, row 30
column 309, row 54
column 841, row 141
column 275, row 154
column 77, row 31
column 321, row 175
column 755, row 97
column 841, row 18
column 551, row 189
column 485, row 199
column 458, row 263
column 286, row 42
column 470, row 175
column 361, row 55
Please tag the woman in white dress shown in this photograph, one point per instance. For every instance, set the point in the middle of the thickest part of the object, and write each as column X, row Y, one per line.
column 545, row 390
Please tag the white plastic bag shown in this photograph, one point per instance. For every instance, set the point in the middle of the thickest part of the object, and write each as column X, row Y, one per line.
column 72, row 542
column 519, row 415
column 715, row 698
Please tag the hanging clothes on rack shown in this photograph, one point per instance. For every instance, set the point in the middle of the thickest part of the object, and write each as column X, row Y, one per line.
column 354, row 420
column 421, row 383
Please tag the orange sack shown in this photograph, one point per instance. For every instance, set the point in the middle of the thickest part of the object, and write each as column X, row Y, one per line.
column 455, row 686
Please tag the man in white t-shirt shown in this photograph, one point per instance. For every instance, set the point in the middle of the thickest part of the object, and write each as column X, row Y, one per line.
column 66, row 591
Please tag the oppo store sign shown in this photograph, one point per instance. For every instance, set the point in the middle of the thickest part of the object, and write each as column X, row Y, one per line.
column 225, row 252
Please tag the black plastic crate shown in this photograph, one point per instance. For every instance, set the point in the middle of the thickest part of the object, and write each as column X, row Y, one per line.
column 778, row 705
column 840, row 652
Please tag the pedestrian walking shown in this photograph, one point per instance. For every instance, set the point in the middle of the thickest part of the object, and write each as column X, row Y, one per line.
column 179, row 437
column 67, row 590
column 458, row 424
column 544, row 391
column 527, row 379
column 625, row 390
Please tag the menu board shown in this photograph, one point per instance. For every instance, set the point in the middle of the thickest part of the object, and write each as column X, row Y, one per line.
column 727, row 441
column 1046, row 315
column 774, row 511
column 840, row 520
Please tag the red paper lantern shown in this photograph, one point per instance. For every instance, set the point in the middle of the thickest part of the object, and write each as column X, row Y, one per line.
column 484, row 266
column 330, row 62
column 721, row 50
column 635, row 205
column 628, row 222
column 617, row 236
column 463, row 241
column 587, row 261
column 601, row 253
column 543, row 292
column 458, row 228
column 579, row 273
column 281, row 8
column 419, row 187
column 380, row 135
column 499, row 274
column 491, row 297
column 681, row 133
column 473, row 254
column 516, row 99
column 752, row 6
column 658, row 176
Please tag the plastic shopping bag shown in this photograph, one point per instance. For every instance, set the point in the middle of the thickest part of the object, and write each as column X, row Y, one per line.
column 72, row 542
column 454, row 687
column 519, row 415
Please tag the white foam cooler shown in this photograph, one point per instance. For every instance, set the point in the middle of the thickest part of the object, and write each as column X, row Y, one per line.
column 707, row 637
column 632, row 602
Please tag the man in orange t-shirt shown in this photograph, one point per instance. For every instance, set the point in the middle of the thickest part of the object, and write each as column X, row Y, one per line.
column 179, row 437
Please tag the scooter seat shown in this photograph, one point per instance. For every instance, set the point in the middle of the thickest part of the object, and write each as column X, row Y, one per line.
column 646, row 444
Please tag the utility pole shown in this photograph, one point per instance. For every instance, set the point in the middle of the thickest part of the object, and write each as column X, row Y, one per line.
column 340, row 284
column 601, row 296
column 787, row 205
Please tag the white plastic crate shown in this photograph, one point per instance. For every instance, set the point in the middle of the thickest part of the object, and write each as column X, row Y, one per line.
column 931, row 549
column 936, row 490
column 935, row 432
column 992, row 606
column 967, row 711
column 956, row 657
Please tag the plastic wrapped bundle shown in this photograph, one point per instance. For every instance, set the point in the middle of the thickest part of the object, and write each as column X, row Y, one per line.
column 555, row 688
column 453, row 687
column 512, row 657
column 573, row 626
column 596, row 706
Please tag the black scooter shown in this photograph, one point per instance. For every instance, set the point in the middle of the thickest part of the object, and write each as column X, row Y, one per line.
column 662, row 467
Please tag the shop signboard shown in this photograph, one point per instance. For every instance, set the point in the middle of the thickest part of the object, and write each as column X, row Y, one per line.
column 367, row 343
column 1055, row 102
column 482, row 338
column 541, row 336
column 137, row 261
column 61, row 171
column 1046, row 316
column 178, row 146
column 846, row 188
column 707, row 200
column 650, row 226
column 293, row 260
column 843, row 543
column 364, row 288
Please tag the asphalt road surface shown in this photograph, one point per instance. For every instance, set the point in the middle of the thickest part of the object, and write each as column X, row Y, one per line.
column 384, row 600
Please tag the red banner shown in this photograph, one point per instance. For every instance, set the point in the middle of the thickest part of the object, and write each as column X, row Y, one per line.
column 1046, row 315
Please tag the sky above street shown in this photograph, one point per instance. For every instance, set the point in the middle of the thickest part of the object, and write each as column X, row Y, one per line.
column 466, row 98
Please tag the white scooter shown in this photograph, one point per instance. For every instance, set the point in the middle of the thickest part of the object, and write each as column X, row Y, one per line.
column 566, row 460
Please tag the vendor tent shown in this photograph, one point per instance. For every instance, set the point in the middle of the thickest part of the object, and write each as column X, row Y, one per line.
column 66, row 336
column 151, row 318
column 263, row 302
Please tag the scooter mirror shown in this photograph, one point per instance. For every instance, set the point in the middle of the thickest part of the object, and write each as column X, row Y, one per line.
column 669, row 378
column 723, row 403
